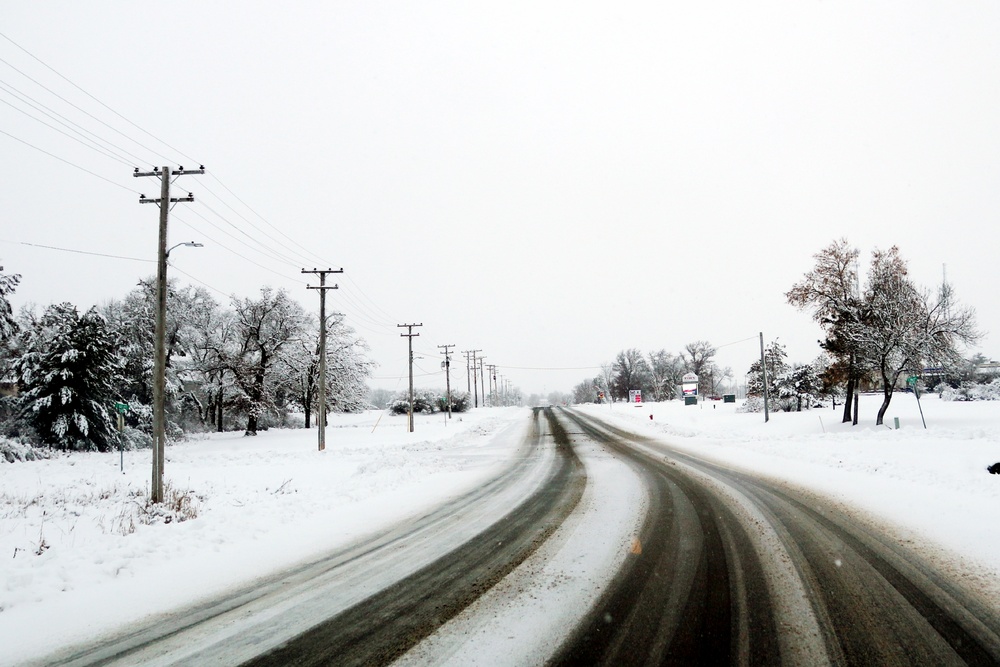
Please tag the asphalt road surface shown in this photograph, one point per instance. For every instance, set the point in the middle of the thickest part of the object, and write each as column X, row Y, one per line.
column 739, row 570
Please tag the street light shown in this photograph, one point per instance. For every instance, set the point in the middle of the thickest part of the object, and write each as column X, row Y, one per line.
column 190, row 244
column 160, row 368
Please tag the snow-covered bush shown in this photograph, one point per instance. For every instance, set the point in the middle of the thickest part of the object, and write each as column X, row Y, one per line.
column 430, row 401
column 970, row 391
column 752, row 404
column 13, row 450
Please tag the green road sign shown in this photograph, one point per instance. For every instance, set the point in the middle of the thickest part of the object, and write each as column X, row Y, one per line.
column 912, row 380
column 121, row 407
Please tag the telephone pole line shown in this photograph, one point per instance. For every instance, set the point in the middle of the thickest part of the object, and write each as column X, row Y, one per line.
column 447, row 374
column 474, row 388
column 160, row 350
column 321, row 419
column 409, row 336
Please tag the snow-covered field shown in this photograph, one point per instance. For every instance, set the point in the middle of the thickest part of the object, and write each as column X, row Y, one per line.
column 79, row 558
column 83, row 555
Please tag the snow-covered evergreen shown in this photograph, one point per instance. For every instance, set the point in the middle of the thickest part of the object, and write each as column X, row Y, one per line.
column 67, row 374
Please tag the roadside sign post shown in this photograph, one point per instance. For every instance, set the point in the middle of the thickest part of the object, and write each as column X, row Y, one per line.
column 121, row 408
column 912, row 383
column 689, row 389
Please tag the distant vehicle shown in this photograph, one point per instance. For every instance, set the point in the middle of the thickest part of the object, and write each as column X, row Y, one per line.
column 715, row 397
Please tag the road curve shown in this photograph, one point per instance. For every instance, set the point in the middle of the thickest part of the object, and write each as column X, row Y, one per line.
column 339, row 610
column 736, row 569
column 384, row 626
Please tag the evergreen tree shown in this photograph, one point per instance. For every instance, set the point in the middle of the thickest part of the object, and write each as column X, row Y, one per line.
column 67, row 373
column 774, row 357
column 8, row 326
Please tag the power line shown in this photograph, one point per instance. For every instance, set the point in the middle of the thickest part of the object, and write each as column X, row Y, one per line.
column 243, row 257
column 200, row 282
column 91, row 97
column 64, row 121
column 53, row 155
column 550, row 368
column 80, row 252
column 263, row 250
column 249, row 208
column 358, row 302
column 250, row 222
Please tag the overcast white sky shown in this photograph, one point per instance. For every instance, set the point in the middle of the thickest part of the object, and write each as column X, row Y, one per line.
column 549, row 182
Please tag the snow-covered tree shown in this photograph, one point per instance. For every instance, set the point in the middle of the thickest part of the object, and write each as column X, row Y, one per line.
column 699, row 359
column 800, row 384
column 347, row 369
column 631, row 372
column 666, row 371
column 775, row 365
column 67, row 372
column 263, row 328
column 831, row 291
column 8, row 325
column 586, row 391
column 903, row 328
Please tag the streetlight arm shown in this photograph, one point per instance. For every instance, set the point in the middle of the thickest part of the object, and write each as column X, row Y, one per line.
column 190, row 244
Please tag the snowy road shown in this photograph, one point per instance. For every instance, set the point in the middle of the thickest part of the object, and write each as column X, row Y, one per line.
column 369, row 603
column 738, row 570
column 594, row 545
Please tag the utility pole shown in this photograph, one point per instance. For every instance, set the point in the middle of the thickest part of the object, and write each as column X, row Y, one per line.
column 763, row 374
column 409, row 336
column 321, row 419
column 160, row 349
column 475, row 387
column 492, row 383
column 468, row 380
column 482, row 377
column 447, row 374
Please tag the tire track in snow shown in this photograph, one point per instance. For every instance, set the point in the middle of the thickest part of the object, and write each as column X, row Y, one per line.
column 840, row 593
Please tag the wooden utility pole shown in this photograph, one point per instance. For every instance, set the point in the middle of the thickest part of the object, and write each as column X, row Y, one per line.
column 475, row 387
column 160, row 349
column 492, row 384
column 409, row 336
column 447, row 375
column 763, row 374
column 321, row 418
column 482, row 377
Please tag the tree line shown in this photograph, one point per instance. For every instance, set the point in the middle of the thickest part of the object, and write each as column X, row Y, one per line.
column 656, row 374
column 877, row 333
column 245, row 365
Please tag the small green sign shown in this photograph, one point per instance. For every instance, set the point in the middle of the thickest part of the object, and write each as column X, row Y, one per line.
column 121, row 407
column 912, row 380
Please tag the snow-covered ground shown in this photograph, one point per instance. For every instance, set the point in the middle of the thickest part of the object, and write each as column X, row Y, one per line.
column 80, row 560
column 930, row 487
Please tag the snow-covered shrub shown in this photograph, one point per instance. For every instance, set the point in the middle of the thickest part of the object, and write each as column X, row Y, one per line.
column 178, row 505
column 429, row 401
column 752, row 404
column 13, row 450
column 970, row 391
column 136, row 439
